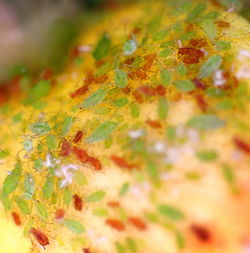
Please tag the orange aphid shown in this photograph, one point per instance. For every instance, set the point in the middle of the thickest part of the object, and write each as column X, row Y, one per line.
column 16, row 218
column 140, row 74
column 66, row 148
column 59, row 214
column 78, row 136
column 160, row 90
column 147, row 90
column 101, row 79
column 242, row 145
column 81, row 154
column 129, row 61
column 154, row 123
column 201, row 102
column 121, row 162
column 47, row 74
column 138, row 97
column 222, row 23
column 190, row 55
column 80, row 91
column 41, row 238
column 77, row 202
column 113, row 204
column 75, row 52
column 95, row 163
column 138, row 223
column 149, row 61
column 115, row 224
column 89, row 79
column 198, row 43
column 126, row 90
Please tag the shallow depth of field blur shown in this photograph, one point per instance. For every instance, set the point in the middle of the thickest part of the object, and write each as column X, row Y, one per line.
column 37, row 35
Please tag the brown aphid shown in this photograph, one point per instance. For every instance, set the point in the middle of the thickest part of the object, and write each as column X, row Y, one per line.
column 16, row 218
column 222, row 24
column 115, row 224
column 41, row 238
column 89, row 79
column 129, row 61
column 77, row 202
column 78, row 136
column 190, row 55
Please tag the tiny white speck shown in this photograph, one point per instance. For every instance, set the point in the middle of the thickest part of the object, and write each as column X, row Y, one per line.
column 85, row 48
column 159, row 147
column 134, row 134
column 179, row 44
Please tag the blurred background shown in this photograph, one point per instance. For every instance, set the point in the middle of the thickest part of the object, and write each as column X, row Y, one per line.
column 37, row 34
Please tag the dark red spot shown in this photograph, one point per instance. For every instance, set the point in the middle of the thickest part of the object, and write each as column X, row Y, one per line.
column 160, row 90
column 81, row 154
column 115, row 224
column 75, row 52
column 190, row 55
column 59, row 214
column 95, row 163
column 198, row 84
column 222, row 23
column 41, row 238
column 80, row 91
column 16, row 218
column 138, row 223
column 77, row 202
column 146, row 90
column 66, row 148
column 78, row 136
column 138, row 97
column 121, row 162
column 242, row 145
column 86, row 250
column 154, row 123
column 201, row 233
column 47, row 74
column 113, row 204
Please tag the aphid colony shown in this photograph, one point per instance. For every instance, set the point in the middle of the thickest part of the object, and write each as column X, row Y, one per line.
column 183, row 64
